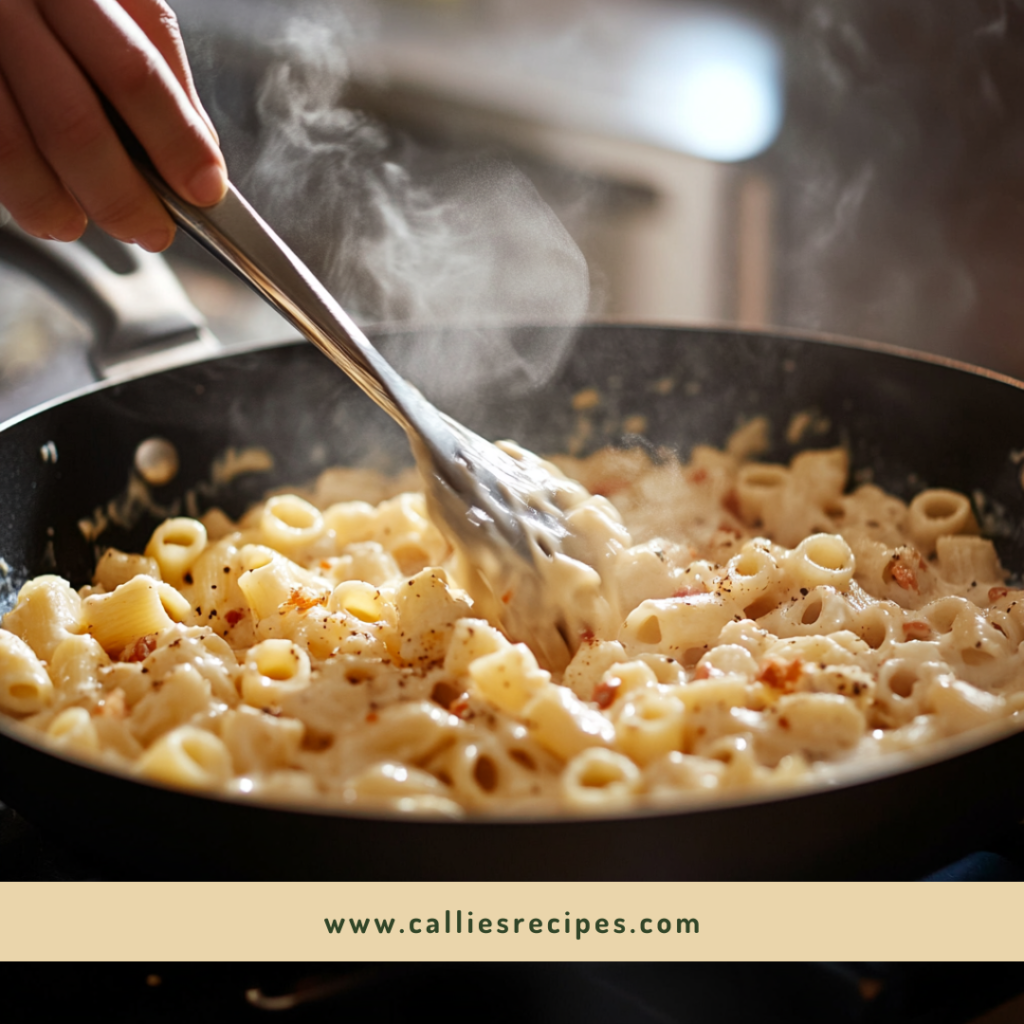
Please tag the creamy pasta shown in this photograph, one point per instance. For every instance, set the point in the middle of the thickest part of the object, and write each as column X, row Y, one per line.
column 757, row 626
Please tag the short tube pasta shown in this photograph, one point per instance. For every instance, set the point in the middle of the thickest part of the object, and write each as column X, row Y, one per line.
column 73, row 730
column 598, row 779
column 649, row 725
column 174, row 546
column 289, row 523
column 273, row 670
column 751, row 575
column 823, row 559
column 187, row 757
column 24, row 685
column 134, row 610
column 939, row 513
column 749, row 627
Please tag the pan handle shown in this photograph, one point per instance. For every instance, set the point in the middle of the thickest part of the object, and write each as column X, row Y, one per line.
column 141, row 318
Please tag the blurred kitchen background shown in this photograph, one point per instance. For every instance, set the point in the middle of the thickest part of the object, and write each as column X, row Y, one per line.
column 823, row 165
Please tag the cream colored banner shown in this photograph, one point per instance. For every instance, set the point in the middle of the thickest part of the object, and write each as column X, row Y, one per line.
column 511, row 921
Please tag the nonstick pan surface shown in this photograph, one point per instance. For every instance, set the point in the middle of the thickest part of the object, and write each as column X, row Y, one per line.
column 907, row 421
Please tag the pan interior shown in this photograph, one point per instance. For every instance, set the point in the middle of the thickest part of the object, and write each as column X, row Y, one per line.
column 908, row 423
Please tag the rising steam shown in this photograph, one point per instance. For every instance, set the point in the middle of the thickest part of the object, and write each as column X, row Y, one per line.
column 899, row 108
column 401, row 233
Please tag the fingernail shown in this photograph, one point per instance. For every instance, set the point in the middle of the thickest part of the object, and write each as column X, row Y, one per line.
column 69, row 231
column 154, row 241
column 208, row 185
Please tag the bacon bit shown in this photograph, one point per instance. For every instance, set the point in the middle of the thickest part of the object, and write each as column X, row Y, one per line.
column 506, row 597
column 922, row 564
column 372, row 716
column 731, row 503
column 144, row 646
column 586, row 636
column 460, row 708
column 780, row 675
column 724, row 527
column 997, row 593
column 606, row 488
column 301, row 600
column 689, row 592
column 606, row 692
column 702, row 672
column 904, row 576
column 698, row 476
column 234, row 617
column 917, row 630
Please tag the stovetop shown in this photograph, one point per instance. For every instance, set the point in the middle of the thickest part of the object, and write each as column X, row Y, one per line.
column 625, row 993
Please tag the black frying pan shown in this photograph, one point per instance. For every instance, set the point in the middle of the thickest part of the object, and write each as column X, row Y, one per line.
column 909, row 421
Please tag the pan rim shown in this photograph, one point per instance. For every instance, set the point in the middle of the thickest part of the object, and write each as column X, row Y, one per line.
column 384, row 331
column 884, row 767
column 847, row 777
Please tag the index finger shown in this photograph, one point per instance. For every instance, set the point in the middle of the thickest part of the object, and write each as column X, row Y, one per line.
column 62, row 113
column 130, row 71
column 160, row 23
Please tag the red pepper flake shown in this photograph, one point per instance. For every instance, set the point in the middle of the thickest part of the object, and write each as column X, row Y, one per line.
column 586, row 636
column 731, row 503
column 372, row 716
column 698, row 476
column 689, row 592
column 997, row 593
column 606, row 692
column 234, row 617
column 506, row 597
column 460, row 708
column 302, row 600
column 917, row 630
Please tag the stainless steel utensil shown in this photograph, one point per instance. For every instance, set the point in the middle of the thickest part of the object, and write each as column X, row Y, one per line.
column 503, row 514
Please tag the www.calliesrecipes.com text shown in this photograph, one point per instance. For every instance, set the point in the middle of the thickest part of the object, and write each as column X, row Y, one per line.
column 464, row 923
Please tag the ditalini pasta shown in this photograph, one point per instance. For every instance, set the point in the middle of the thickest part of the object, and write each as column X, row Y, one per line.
column 756, row 626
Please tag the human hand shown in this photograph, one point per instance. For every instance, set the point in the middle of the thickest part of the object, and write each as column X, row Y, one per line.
column 60, row 160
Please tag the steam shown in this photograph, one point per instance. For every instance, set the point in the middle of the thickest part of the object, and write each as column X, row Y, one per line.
column 402, row 233
column 900, row 152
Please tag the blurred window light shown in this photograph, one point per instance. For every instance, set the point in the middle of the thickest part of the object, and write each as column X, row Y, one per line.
column 710, row 85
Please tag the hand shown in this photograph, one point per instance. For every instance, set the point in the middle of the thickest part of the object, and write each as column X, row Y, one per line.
column 60, row 161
